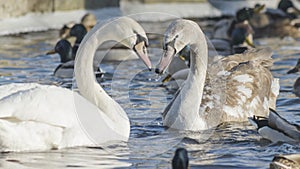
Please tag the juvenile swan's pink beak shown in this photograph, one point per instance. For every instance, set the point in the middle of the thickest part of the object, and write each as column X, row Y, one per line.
column 140, row 49
column 165, row 60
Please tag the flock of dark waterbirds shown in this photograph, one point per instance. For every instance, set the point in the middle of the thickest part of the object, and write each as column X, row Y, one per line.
column 230, row 36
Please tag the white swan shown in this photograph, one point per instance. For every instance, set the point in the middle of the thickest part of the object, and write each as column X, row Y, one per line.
column 42, row 117
column 275, row 128
column 244, row 86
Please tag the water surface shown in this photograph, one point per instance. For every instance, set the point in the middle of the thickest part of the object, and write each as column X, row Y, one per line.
column 231, row 145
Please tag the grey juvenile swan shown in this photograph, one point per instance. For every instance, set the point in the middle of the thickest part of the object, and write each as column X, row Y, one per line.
column 236, row 87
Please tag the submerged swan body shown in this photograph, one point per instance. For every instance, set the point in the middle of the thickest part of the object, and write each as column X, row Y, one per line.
column 42, row 117
column 230, row 89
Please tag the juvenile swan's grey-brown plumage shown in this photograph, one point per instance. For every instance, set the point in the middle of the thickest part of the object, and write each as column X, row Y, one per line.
column 230, row 89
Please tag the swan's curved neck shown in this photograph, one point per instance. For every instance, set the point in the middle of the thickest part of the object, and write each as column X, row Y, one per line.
column 197, row 75
column 188, row 103
column 199, row 57
column 84, row 72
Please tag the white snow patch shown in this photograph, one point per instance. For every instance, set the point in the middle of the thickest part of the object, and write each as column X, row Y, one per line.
column 41, row 22
column 168, row 10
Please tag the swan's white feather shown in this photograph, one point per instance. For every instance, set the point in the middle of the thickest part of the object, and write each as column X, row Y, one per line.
column 44, row 116
column 41, row 117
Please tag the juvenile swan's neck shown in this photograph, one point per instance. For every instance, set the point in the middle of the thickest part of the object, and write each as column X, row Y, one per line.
column 193, row 89
column 84, row 72
column 184, row 113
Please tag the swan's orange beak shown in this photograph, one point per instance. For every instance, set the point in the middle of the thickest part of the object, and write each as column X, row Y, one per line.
column 141, row 51
column 165, row 60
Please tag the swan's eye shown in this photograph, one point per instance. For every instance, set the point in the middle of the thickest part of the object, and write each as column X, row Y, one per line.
column 176, row 36
column 146, row 43
column 141, row 38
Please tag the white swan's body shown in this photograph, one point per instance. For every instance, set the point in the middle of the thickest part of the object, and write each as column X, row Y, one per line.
column 236, row 87
column 41, row 117
column 33, row 118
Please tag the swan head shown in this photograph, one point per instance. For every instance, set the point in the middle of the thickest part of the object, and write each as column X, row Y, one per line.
column 138, row 41
column 180, row 159
column 134, row 37
column 176, row 38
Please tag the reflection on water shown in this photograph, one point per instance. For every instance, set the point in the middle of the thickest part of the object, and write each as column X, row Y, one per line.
column 234, row 145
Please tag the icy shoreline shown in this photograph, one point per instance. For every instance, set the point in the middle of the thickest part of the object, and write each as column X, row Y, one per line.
column 33, row 22
column 41, row 22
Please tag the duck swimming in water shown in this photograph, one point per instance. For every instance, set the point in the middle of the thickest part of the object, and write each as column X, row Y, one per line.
column 296, row 86
column 88, row 21
column 180, row 159
column 67, row 52
column 287, row 161
column 288, row 7
column 275, row 128
column 273, row 23
column 234, row 35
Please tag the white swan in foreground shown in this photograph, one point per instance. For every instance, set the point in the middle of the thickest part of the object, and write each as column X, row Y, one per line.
column 42, row 117
column 237, row 86
column 275, row 128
